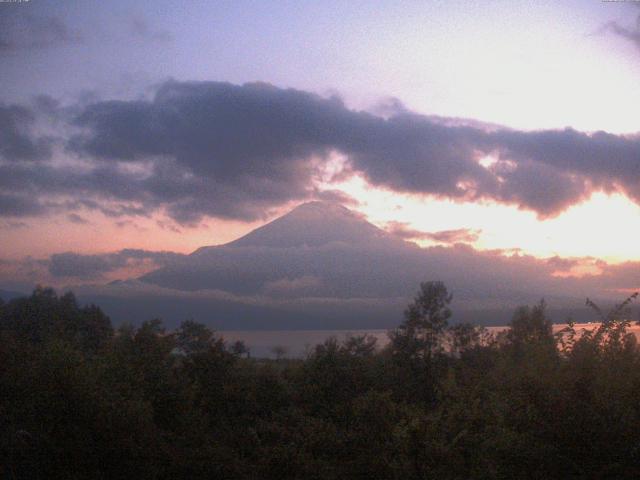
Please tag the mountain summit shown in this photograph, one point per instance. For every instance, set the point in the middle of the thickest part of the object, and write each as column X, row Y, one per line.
column 324, row 266
column 313, row 224
column 317, row 249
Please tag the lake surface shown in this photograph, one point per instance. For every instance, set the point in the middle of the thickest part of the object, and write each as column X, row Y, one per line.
column 296, row 343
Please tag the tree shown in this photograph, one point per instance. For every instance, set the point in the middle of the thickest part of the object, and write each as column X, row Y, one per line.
column 193, row 337
column 531, row 325
column 360, row 345
column 465, row 337
column 426, row 319
column 45, row 316
column 418, row 343
column 240, row 348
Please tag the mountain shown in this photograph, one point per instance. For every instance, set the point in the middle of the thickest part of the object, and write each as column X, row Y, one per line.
column 314, row 224
column 316, row 250
column 322, row 266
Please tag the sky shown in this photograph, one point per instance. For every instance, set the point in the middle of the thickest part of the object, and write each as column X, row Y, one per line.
column 509, row 126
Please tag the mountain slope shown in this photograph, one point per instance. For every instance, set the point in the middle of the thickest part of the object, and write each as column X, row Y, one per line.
column 318, row 250
column 323, row 250
column 323, row 266
column 314, row 224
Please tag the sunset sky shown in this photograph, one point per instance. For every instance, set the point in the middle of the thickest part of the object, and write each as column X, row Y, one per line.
column 506, row 125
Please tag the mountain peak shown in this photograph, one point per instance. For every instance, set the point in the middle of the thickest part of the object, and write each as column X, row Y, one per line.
column 312, row 224
column 321, row 206
column 320, row 211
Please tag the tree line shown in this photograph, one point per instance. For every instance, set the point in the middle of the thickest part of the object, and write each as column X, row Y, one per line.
column 81, row 399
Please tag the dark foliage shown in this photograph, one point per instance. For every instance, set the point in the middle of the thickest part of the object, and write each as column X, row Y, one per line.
column 78, row 400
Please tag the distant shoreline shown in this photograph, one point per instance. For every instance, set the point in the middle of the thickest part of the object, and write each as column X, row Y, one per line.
column 297, row 342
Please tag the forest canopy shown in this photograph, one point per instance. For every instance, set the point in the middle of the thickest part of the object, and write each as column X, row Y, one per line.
column 82, row 399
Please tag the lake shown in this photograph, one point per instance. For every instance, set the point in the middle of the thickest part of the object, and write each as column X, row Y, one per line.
column 297, row 343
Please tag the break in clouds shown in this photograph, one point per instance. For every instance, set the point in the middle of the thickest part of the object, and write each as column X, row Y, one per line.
column 215, row 149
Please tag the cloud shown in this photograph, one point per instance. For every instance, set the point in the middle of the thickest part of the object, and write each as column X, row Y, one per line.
column 231, row 134
column 140, row 28
column 16, row 205
column 17, row 142
column 562, row 263
column 200, row 149
column 389, row 107
column 108, row 210
column 317, row 281
column 79, row 266
column 83, row 266
column 403, row 230
column 33, row 189
column 305, row 285
column 77, row 219
column 12, row 225
column 632, row 34
column 461, row 235
column 27, row 31
column 130, row 224
column 22, row 274
column 336, row 196
column 220, row 150
column 168, row 226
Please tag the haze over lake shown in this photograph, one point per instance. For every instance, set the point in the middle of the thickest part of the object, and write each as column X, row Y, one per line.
column 300, row 343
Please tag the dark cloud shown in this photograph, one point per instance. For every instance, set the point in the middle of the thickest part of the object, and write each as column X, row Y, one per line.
column 632, row 34
column 75, row 265
column 563, row 263
column 302, row 286
column 389, row 107
column 83, row 266
column 113, row 210
column 168, row 226
column 550, row 170
column 16, row 205
column 130, row 224
column 47, row 105
column 259, row 139
column 461, row 235
column 226, row 151
column 12, row 225
column 17, row 141
column 77, row 219
column 140, row 28
column 28, row 189
column 21, row 30
column 215, row 149
column 336, row 196
column 404, row 231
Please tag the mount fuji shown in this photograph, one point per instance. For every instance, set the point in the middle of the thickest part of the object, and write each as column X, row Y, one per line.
column 324, row 266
